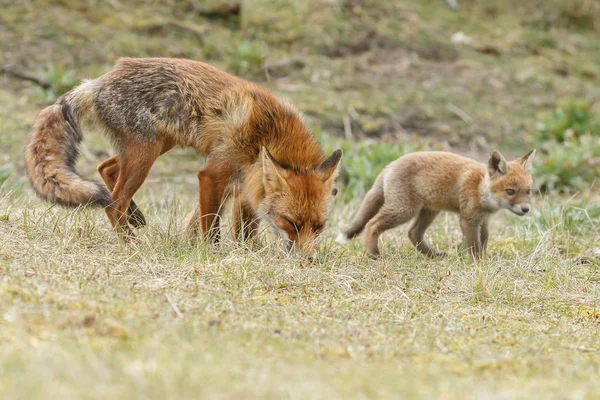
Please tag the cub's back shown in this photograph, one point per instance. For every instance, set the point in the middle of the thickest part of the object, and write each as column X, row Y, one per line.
column 434, row 177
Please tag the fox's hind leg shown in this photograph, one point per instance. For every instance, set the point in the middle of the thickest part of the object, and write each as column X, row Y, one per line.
column 135, row 162
column 109, row 171
column 368, row 208
column 386, row 218
column 416, row 233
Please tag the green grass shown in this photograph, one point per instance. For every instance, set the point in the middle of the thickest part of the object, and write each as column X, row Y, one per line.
column 85, row 316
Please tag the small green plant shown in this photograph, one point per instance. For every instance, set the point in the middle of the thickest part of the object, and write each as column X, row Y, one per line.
column 573, row 216
column 60, row 81
column 569, row 144
column 5, row 172
column 246, row 58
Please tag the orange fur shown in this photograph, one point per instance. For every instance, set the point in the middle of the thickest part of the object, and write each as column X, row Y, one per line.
column 420, row 185
column 147, row 107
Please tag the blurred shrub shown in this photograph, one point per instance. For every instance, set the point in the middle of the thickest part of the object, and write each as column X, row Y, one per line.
column 570, row 14
column 581, row 13
column 574, row 119
column 569, row 143
column 568, row 166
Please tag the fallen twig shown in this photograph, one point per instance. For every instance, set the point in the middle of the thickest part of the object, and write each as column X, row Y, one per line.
column 460, row 113
column 25, row 76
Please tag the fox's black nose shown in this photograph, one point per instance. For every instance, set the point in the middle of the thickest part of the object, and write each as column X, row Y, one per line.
column 525, row 209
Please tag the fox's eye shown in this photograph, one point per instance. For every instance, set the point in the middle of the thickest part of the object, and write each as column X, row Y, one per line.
column 510, row 192
column 292, row 224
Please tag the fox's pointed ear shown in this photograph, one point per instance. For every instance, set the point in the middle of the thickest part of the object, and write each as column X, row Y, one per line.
column 497, row 164
column 273, row 173
column 527, row 159
column 329, row 168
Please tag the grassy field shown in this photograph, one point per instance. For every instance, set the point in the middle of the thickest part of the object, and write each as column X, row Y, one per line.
column 84, row 316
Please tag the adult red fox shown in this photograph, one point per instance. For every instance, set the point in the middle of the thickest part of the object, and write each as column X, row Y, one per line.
column 420, row 185
column 148, row 106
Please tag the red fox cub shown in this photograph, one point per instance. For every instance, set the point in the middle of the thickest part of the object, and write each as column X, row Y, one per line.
column 251, row 140
column 420, row 185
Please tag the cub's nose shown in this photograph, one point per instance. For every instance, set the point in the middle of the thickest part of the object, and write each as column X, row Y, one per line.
column 525, row 209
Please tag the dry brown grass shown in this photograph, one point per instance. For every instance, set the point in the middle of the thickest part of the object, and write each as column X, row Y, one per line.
column 85, row 316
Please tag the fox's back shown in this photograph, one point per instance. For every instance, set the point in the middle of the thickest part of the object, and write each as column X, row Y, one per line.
column 197, row 105
column 435, row 177
column 150, row 95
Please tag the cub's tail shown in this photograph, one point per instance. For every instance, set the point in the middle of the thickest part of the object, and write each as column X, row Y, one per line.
column 369, row 207
column 52, row 149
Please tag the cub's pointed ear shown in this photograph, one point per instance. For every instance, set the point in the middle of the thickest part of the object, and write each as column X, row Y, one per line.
column 497, row 164
column 273, row 173
column 329, row 169
column 527, row 159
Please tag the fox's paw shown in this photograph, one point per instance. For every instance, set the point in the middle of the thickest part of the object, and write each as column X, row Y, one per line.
column 342, row 238
column 135, row 217
column 439, row 254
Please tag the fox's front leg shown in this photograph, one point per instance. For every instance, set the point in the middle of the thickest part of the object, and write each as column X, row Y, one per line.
column 470, row 228
column 483, row 235
column 245, row 221
column 213, row 179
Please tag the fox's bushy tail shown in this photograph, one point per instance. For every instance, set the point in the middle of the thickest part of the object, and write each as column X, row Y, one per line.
column 371, row 204
column 52, row 149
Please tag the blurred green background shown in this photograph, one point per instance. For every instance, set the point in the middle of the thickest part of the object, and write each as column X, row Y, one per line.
column 377, row 77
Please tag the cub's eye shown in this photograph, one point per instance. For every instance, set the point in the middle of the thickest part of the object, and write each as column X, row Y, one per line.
column 319, row 228
column 510, row 192
column 528, row 191
column 292, row 224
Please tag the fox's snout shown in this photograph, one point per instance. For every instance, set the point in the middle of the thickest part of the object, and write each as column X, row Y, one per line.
column 307, row 247
column 303, row 246
column 520, row 209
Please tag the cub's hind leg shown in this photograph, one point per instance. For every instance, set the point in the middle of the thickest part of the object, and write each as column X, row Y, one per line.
column 387, row 218
column 416, row 233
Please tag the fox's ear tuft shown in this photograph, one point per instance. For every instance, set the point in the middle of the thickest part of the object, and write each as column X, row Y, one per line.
column 497, row 164
column 329, row 168
column 527, row 159
column 273, row 173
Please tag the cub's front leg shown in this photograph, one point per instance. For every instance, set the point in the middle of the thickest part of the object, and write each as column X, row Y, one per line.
column 471, row 229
